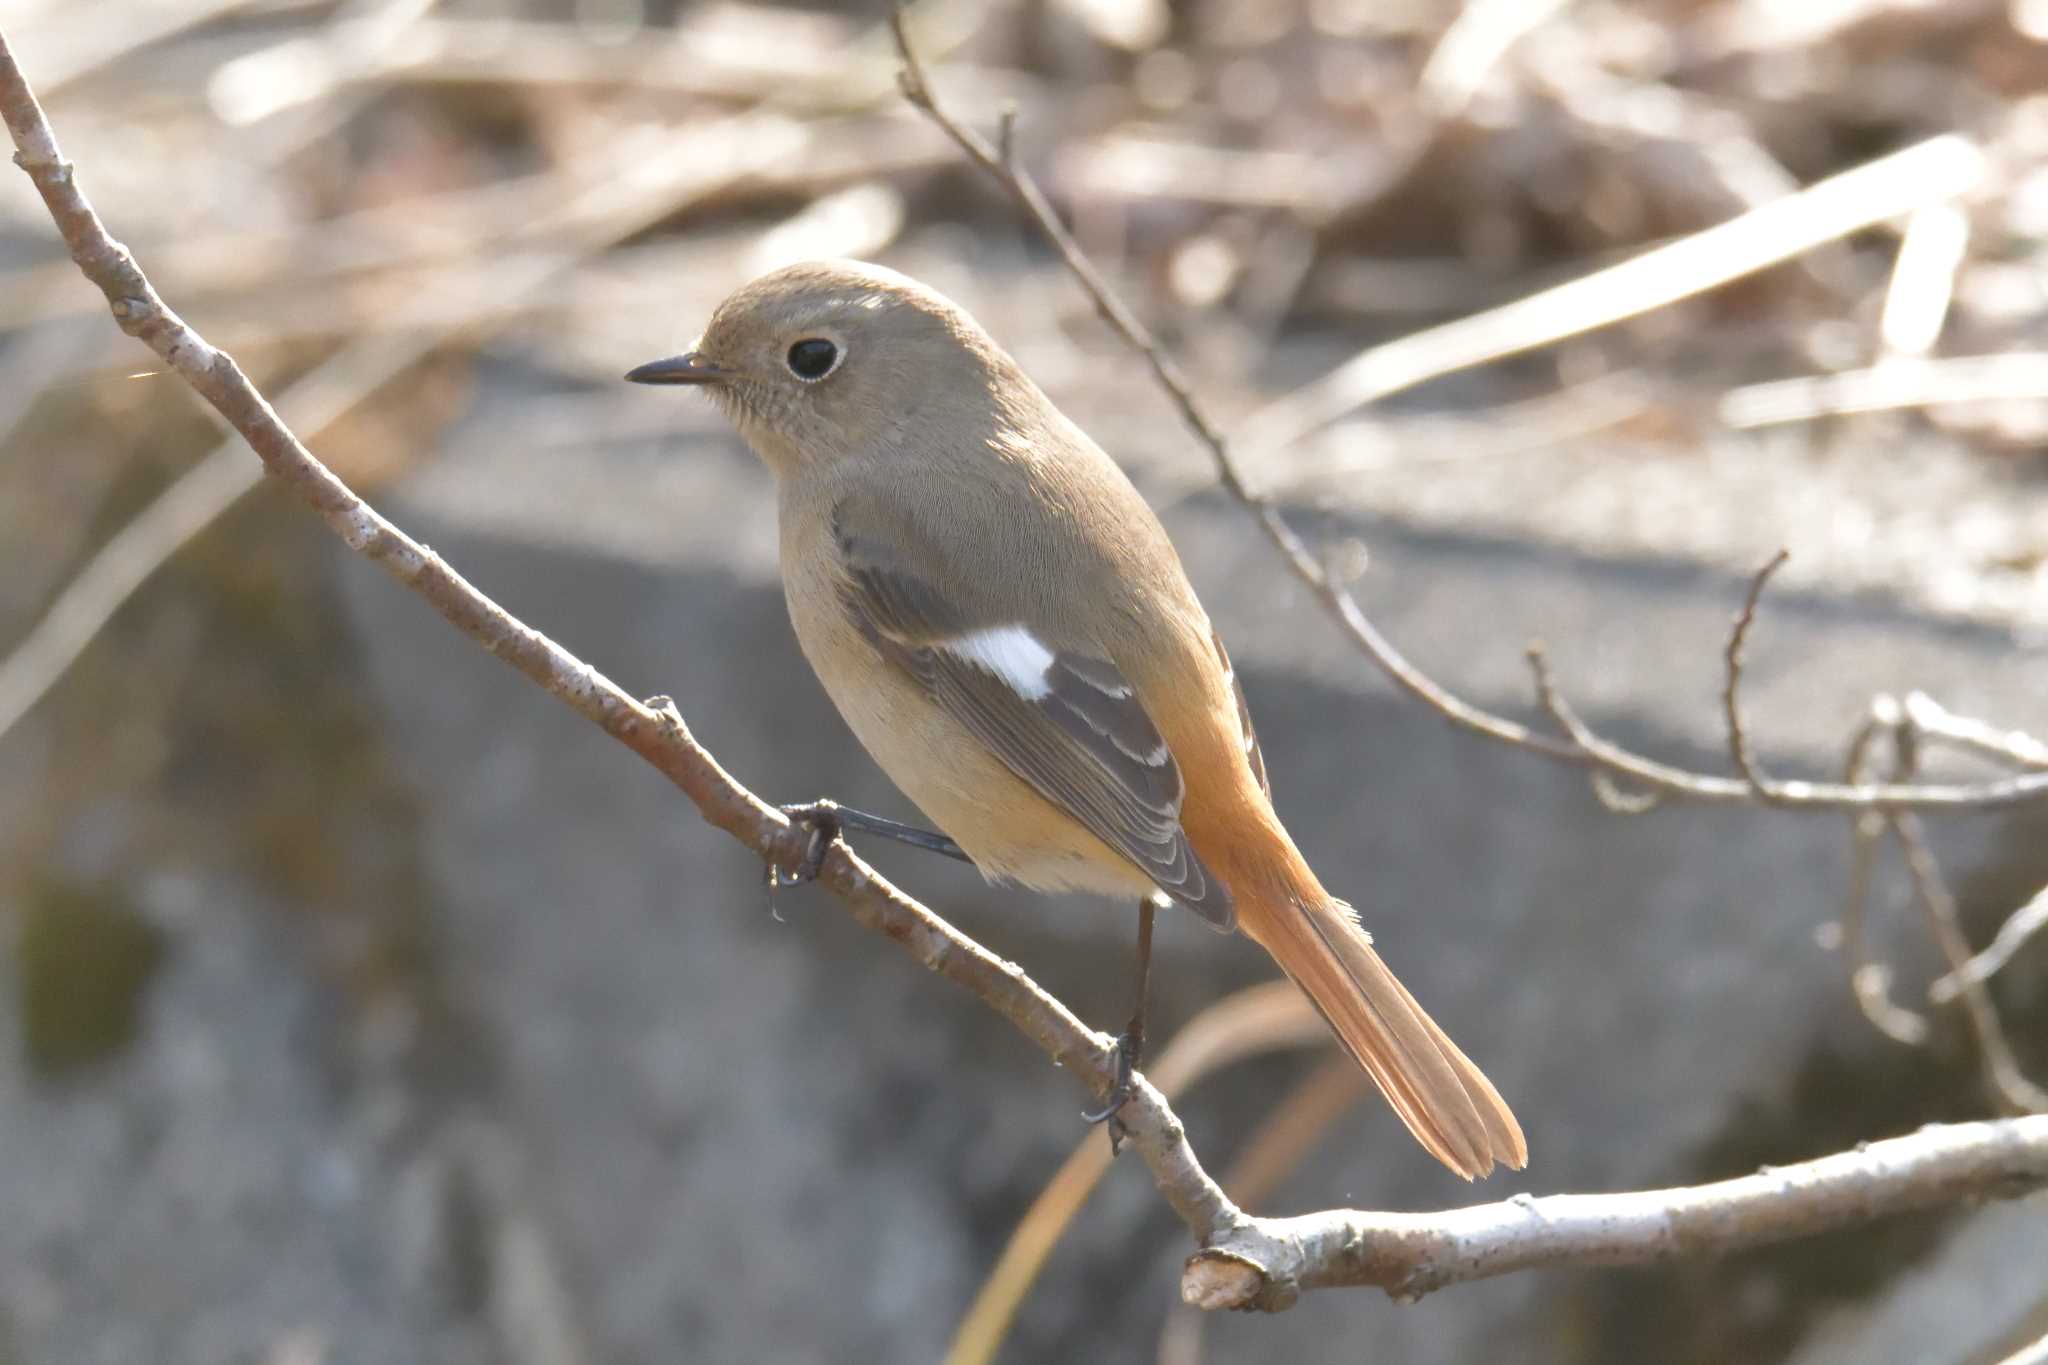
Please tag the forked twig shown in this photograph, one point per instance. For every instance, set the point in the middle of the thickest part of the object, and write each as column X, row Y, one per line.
column 1245, row 1262
column 1870, row 981
column 2009, row 1085
column 655, row 730
column 2025, row 922
column 1583, row 749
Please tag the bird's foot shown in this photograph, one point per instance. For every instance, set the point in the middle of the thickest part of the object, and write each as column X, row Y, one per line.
column 1130, row 1045
column 821, row 825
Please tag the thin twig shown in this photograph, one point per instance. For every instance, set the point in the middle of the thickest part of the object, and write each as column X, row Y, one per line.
column 1605, row 789
column 2025, row 922
column 1591, row 750
column 654, row 730
column 1554, row 705
column 997, row 162
column 2002, row 1071
column 1939, row 163
column 1869, row 981
column 1246, row 1262
column 1731, row 692
column 1932, row 720
column 572, row 221
column 2008, row 1084
column 1965, row 978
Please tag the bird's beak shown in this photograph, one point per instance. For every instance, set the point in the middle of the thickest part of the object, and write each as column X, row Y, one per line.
column 691, row 367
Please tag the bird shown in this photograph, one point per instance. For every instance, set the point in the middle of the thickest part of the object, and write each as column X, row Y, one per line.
column 1007, row 629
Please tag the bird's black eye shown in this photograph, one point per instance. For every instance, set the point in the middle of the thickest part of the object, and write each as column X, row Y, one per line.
column 812, row 358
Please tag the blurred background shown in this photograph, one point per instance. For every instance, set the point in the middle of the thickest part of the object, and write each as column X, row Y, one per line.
column 358, row 1003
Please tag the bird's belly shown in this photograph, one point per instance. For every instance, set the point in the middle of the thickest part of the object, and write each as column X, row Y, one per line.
column 1000, row 821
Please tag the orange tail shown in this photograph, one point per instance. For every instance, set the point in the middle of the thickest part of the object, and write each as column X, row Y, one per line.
column 1450, row 1107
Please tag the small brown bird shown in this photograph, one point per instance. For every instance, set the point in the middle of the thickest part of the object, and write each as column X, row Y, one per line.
column 1004, row 624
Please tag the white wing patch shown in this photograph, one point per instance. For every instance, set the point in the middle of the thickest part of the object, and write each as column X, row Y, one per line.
column 1012, row 653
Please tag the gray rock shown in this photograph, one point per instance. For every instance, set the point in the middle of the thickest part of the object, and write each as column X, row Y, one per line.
column 1972, row 1301
column 762, row 1135
column 633, row 1112
column 201, row 1198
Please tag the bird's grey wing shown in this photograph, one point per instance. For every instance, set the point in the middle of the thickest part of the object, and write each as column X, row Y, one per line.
column 1067, row 723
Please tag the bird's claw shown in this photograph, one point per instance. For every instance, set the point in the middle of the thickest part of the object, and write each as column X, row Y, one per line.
column 820, row 822
column 1120, row 1094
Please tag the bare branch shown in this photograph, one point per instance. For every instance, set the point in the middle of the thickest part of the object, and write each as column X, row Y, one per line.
column 1289, row 1133
column 1267, row 1262
column 655, row 730
column 1410, row 1255
column 1731, row 693
column 1870, row 982
column 998, row 164
column 563, row 224
column 1554, row 705
column 1932, row 720
column 1908, row 174
column 2025, row 922
column 1245, row 1262
column 2002, row 1071
column 2009, row 1086
column 1605, row 789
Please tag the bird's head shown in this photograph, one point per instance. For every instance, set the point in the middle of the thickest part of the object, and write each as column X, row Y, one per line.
column 829, row 360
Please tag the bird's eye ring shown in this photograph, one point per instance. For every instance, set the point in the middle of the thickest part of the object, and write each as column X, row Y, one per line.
column 812, row 359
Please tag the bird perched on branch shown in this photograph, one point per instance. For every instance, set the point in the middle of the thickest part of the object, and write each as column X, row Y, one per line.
column 1004, row 624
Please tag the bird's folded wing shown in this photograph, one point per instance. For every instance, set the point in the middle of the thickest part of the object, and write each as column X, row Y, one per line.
column 1252, row 755
column 1067, row 723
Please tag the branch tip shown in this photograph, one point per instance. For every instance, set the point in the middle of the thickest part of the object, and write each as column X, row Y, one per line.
column 1766, row 790
column 1214, row 1279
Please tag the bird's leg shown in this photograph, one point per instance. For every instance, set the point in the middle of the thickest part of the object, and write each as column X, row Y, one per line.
column 1130, row 1044
column 825, row 819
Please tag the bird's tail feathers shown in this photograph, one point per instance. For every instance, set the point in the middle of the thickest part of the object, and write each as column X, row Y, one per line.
column 1447, row 1103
